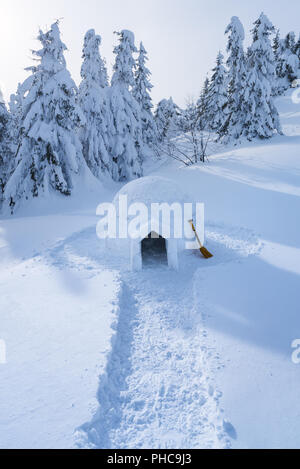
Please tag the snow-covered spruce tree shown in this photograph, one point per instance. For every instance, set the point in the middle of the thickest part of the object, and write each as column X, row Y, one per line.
column 167, row 119
column 278, row 51
column 49, row 155
column 6, row 145
column 93, row 99
column 202, row 106
column 259, row 116
column 290, row 41
column 217, row 97
column 237, row 71
column 126, row 139
column 297, row 49
column 276, row 46
column 16, row 111
column 141, row 92
column 287, row 64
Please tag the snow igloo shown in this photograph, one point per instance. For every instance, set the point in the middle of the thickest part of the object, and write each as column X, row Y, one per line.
column 152, row 222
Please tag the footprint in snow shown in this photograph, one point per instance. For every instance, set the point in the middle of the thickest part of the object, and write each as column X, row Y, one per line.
column 229, row 429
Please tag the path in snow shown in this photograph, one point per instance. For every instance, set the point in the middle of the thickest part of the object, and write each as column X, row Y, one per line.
column 158, row 390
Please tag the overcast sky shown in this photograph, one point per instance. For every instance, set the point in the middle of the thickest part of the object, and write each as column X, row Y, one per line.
column 182, row 36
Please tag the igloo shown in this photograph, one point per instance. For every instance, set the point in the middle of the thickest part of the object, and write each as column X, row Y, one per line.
column 147, row 214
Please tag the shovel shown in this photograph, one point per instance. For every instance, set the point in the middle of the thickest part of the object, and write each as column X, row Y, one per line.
column 205, row 253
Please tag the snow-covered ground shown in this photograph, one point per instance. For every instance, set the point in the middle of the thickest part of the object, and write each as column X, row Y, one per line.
column 195, row 358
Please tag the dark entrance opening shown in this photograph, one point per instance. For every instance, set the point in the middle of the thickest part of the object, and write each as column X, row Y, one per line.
column 154, row 250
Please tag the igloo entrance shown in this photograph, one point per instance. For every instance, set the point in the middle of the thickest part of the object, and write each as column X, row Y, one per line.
column 154, row 249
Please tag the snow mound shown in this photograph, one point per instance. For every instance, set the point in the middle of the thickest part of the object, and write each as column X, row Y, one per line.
column 152, row 189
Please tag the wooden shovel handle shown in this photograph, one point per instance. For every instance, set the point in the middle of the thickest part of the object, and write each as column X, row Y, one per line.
column 194, row 230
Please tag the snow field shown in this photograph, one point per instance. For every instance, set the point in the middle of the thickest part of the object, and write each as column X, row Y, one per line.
column 57, row 339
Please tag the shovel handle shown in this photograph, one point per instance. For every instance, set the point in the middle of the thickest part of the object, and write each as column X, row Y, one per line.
column 194, row 230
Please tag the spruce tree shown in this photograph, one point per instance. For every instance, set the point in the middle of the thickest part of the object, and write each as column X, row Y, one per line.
column 126, row 140
column 276, row 46
column 237, row 71
column 49, row 156
column 93, row 99
column 202, row 106
column 287, row 69
column 217, row 97
column 141, row 91
column 290, row 41
column 6, row 145
column 167, row 119
column 259, row 116
column 16, row 111
column 297, row 49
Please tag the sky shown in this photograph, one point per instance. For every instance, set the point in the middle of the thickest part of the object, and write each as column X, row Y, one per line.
column 182, row 37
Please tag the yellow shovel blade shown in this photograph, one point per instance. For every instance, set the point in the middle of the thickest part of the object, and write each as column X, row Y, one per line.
column 205, row 253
